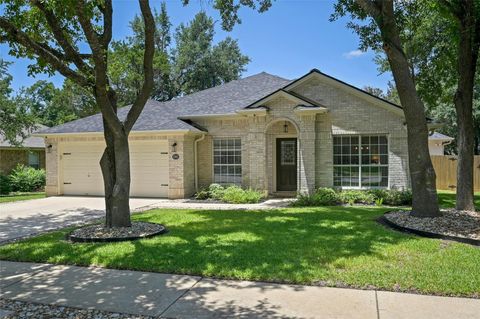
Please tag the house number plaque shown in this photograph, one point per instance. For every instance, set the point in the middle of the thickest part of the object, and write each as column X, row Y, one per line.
column 175, row 156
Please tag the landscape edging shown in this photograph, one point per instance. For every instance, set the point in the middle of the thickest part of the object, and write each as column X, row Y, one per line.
column 385, row 222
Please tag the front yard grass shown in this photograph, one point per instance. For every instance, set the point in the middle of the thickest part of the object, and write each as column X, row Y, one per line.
column 322, row 245
column 15, row 197
column 446, row 199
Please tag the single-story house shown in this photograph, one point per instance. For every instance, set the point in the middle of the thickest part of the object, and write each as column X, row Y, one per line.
column 30, row 153
column 437, row 142
column 263, row 131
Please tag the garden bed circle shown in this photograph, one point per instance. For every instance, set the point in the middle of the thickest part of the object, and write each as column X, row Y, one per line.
column 93, row 233
column 386, row 222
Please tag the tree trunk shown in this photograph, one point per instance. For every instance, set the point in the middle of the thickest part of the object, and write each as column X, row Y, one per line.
column 115, row 166
column 425, row 201
column 466, row 66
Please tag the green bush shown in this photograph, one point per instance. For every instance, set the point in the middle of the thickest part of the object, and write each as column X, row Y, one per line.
column 321, row 197
column 398, row 197
column 328, row 197
column 202, row 194
column 232, row 194
column 5, row 187
column 355, row 196
column 216, row 191
column 237, row 195
column 27, row 179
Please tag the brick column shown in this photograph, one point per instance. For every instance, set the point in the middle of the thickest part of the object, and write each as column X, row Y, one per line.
column 306, row 154
column 52, row 187
column 181, row 170
column 256, row 145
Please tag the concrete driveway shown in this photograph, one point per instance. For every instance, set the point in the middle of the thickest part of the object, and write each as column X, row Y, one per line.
column 20, row 219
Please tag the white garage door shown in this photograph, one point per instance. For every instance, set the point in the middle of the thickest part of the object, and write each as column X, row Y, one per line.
column 82, row 175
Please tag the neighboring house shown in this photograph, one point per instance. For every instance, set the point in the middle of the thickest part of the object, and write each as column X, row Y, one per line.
column 30, row 153
column 262, row 131
column 437, row 142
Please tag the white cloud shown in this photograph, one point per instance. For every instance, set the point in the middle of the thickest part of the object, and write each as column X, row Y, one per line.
column 354, row 54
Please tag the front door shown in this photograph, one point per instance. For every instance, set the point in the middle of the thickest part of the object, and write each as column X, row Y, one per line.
column 286, row 164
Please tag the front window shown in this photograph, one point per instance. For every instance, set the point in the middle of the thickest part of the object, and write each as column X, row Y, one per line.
column 360, row 161
column 34, row 160
column 227, row 161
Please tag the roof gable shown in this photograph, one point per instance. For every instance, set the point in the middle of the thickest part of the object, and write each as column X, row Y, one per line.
column 327, row 79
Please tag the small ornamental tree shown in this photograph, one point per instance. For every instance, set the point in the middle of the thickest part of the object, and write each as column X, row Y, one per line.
column 72, row 37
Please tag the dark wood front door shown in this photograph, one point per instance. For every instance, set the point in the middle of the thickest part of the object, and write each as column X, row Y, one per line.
column 286, row 164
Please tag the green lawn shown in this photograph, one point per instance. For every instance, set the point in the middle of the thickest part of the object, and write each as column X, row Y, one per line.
column 20, row 196
column 447, row 199
column 331, row 245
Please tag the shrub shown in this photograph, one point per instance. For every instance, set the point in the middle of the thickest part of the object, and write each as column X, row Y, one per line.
column 202, row 194
column 355, row 196
column 321, row 197
column 216, row 191
column 27, row 179
column 237, row 195
column 399, row 197
column 5, row 187
column 232, row 194
column 328, row 196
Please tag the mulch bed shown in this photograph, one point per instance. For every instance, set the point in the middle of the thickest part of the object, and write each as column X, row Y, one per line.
column 99, row 233
column 462, row 226
column 15, row 309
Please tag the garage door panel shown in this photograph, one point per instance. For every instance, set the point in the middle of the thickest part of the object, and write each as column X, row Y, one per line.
column 148, row 169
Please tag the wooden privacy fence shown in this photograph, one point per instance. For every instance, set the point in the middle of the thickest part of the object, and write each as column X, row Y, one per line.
column 446, row 170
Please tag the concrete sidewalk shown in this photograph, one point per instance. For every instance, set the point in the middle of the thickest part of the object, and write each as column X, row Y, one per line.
column 178, row 296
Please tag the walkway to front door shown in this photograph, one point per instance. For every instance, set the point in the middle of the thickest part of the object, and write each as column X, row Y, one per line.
column 286, row 164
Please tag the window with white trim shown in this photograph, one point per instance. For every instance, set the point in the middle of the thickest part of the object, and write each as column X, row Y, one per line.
column 360, row 161
column 227, row 161
column 34, row 160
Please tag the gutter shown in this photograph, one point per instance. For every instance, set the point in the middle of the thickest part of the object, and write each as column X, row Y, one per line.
column 195, row 151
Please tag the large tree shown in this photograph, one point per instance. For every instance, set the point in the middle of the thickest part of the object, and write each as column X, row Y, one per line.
column 52, row 33
column 441, row 42
column 197, row 63
column 16, row 122
column 190, row 64
column 466, row 15
column 380, row 29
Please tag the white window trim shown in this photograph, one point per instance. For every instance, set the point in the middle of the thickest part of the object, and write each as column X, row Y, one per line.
column 360, row 161
column 213, row 158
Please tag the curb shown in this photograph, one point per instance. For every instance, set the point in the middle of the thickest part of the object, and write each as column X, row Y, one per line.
column 385, row 222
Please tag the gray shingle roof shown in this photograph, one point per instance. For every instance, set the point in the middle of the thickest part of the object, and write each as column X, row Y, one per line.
column 222, row 99
column 29, row 142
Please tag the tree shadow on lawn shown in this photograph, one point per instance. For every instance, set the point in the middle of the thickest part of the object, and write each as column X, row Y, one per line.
column 270, row 245
column 275, row 245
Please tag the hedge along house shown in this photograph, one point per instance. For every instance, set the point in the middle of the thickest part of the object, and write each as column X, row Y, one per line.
column 262, row 131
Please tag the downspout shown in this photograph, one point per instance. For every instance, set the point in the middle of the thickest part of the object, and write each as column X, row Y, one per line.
column 195, row 150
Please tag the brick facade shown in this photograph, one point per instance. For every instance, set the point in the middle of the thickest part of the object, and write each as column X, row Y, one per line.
column 347, row 114
column 11, row 157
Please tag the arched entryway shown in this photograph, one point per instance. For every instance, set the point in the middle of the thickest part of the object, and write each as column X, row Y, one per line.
column 282, row 156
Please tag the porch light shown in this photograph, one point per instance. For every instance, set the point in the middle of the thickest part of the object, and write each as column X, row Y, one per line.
column 285, row 127
column 174, row 147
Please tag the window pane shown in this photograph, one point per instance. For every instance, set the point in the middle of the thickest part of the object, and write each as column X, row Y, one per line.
column 337, row 149
column 227, row 161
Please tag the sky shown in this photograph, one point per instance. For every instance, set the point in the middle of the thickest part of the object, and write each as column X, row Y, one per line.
column 290, row 39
